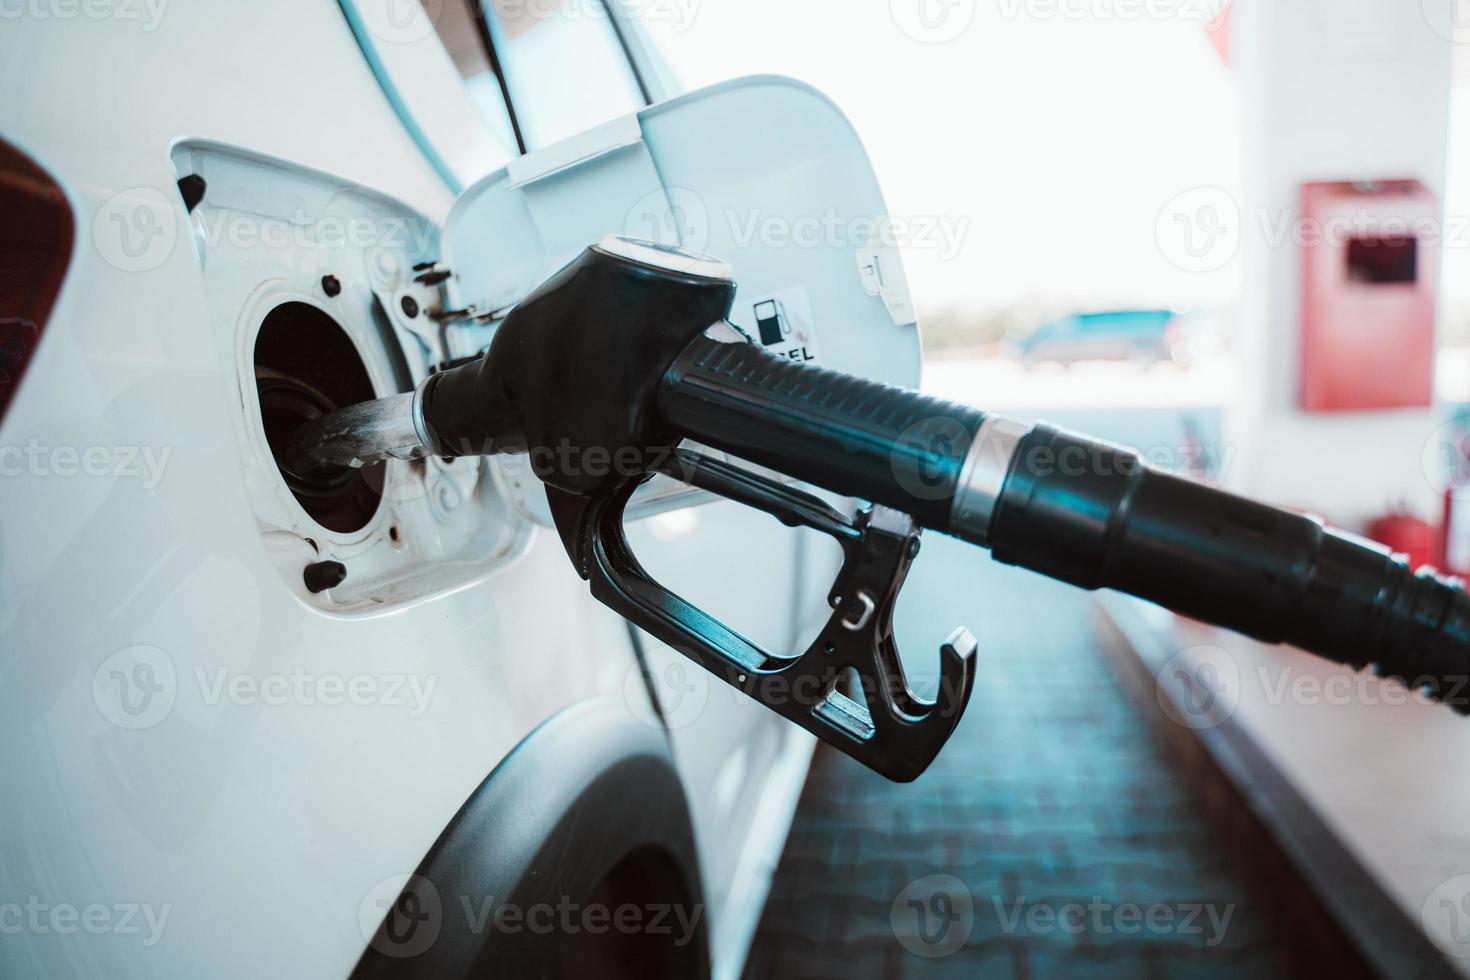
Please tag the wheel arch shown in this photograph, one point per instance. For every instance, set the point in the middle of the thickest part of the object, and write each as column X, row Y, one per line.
column 587, row 810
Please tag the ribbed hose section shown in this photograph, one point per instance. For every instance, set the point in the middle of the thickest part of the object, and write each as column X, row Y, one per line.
column 861, row 438
column 1426, row 639
column 1092, row 514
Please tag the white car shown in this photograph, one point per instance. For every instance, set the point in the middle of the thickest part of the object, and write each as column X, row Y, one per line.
column 373, row 726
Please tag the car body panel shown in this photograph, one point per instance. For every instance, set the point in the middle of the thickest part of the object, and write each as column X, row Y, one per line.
column 259, row 827
column 195, row 738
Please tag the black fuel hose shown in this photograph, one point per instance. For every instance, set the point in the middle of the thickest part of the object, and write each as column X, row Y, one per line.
column 1079, row 510
column 616, row 353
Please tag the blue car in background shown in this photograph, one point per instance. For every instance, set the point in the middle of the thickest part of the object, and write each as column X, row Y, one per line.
column 1118, row 335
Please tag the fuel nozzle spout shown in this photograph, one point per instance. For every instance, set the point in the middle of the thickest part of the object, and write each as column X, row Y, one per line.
column 573, row 369
column 386, row 428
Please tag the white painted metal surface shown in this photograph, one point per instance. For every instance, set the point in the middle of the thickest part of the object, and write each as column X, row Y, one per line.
column 190, row 737
column 764, row 173
column 187, row 736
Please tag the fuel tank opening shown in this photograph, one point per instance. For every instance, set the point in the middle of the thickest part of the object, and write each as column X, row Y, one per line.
column 306, row 366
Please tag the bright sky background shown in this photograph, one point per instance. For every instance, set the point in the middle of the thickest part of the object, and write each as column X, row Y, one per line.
column 1060, row 137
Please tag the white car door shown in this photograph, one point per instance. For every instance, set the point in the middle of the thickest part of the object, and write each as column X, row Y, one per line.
column 157, row 630
column 764, row 173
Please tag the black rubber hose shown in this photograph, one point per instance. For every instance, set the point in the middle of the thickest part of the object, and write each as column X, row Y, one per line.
column 1094, row 515
column 884, row 444
column 1085, row 512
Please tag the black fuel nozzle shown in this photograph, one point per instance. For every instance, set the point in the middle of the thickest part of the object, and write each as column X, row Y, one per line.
column 576, row 378
column 571, row 376
column 606, row 369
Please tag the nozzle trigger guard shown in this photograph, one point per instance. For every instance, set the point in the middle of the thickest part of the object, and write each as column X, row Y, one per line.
column 885, row 727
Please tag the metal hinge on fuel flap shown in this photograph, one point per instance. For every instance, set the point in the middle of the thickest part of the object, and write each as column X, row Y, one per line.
column 435, row 336
column 432, row 333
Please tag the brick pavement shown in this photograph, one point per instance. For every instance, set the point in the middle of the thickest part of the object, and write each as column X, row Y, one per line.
column 1052, row 799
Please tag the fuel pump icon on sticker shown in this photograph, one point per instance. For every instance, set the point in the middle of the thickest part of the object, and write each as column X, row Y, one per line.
column 772, row 321
column 784, row 325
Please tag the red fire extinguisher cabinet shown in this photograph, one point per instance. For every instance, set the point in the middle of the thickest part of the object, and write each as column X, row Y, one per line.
column 1370, row 272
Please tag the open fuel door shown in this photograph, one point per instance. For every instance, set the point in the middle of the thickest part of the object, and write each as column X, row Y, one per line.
column 764, row 173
